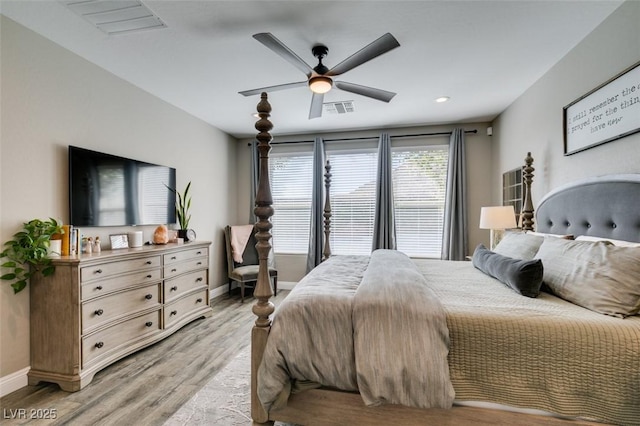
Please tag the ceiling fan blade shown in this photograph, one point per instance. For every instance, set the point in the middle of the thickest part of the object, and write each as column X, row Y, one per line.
column 274, row 88
column 278, row 47
column 316, row 105
column 382, row 45
column 370, row 92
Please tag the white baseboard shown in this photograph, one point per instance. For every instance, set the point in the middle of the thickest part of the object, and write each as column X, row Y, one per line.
column 286, row 285
column 219, row 291
column 13, row 381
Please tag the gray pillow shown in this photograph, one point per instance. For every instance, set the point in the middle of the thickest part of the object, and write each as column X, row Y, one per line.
column 523, row 276
column 519, row 245
column 596, row 275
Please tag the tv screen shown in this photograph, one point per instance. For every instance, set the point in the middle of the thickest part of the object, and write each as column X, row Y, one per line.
column 107, row 190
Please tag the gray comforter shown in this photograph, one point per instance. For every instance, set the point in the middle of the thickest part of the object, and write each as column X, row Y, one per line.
column 341, row 328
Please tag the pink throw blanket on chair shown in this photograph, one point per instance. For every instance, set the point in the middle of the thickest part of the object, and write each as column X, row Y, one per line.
column 239, row 237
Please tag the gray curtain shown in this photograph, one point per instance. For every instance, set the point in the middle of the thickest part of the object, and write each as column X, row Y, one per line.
column 314, row 256
column 384, row 228
column 454, row 237
column 255, row 174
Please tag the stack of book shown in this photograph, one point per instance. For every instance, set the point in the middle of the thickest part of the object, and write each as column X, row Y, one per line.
column 69, row 241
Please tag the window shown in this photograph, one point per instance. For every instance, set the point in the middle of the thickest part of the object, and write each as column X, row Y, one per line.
column 353, row 200
column 513, row 191
column 291, row 181
column 419, row 187
column 419, row 175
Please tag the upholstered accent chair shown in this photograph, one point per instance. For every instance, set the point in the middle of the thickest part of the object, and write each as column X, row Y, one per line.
column 245, row 273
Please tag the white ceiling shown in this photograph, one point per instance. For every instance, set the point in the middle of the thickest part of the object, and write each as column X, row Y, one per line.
column 482, row 54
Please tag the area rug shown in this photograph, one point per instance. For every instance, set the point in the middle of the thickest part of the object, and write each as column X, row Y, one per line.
column 224, row 401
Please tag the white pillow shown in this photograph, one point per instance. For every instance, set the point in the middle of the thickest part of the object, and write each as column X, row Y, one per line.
column 519, row 245
column 619, row 243
column 542, row 234
column 596, row 275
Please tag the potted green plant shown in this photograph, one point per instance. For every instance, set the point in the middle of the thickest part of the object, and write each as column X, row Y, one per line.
column 183, row 204
column 27, row 253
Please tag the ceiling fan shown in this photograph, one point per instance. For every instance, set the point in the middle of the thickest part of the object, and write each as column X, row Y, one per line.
column 319, row 78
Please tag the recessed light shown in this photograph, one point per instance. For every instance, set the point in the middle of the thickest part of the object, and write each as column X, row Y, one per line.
column 442, row 99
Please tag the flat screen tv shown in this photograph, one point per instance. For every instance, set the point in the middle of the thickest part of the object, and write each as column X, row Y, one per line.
column 107, row 190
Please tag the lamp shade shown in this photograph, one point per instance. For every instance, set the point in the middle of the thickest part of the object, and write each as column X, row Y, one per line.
column 320, row 84
column 497, row 217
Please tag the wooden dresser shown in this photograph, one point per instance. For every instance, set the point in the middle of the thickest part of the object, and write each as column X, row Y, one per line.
column 96, row 309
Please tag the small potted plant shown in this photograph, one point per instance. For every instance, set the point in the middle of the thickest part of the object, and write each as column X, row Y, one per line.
column 27, row 253
column 183, row 204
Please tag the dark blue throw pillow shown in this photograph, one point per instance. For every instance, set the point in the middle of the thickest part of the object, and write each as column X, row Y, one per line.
column 523, row 276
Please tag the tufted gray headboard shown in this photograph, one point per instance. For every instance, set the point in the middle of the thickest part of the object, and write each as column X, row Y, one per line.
column 606, row 206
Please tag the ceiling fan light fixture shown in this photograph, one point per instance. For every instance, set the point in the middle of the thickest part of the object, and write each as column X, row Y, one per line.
column 320, row 84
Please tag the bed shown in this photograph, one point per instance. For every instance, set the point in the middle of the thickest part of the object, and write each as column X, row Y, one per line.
column 487, row 343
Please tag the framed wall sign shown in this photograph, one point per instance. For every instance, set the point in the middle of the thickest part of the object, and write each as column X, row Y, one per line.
column 610, row 111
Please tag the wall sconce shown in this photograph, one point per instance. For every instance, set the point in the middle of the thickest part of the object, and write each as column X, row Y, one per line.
column 497, row 219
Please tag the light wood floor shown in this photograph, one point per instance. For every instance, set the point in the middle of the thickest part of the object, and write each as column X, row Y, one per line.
column 147, row 387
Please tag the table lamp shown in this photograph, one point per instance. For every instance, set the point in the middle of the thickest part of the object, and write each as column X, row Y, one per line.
column 497, row 219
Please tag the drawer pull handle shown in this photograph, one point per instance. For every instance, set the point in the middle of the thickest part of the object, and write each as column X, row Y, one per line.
column 99, row 345
column 198, row 279
column 174, row 288
column 149, row 262
column 199, row 263
column 198, row 252
column 149, row 276
column 173, row 313
column 148, row 297
column 99, row 287
column 173, row 270
column 148, row 323
column 173, row 258
column 99, row 312
column 199, row 300
column 98, row 271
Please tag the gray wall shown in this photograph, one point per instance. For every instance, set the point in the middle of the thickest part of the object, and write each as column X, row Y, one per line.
column 534, row 121
column 52, row 98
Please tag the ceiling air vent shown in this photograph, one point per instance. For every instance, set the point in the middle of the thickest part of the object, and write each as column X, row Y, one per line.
column 116, row 16
column 341, row 107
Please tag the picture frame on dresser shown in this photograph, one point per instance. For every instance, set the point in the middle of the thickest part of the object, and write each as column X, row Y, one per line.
column 609, row 112
column 119, row 241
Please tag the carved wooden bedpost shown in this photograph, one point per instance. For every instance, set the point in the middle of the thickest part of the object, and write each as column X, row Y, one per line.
column 527, row 209
column 263, row 308
column 326, row 253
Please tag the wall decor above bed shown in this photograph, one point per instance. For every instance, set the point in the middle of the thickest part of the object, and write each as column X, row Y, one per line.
column 610, row 111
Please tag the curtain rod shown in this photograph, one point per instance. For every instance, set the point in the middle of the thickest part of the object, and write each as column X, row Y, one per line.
column 372, row 137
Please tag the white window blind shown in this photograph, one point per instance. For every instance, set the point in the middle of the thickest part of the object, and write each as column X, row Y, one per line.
column 419, row 186
column 291, row 184
column 353, row 192
column 419, row 175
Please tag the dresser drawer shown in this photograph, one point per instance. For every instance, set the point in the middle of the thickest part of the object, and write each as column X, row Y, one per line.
column 179, row 256
column 175, row 311
column 107, row 342
column 100, row 311
column 94, row 289
column 102, row 270
column 175, row 269
column 176, row 287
